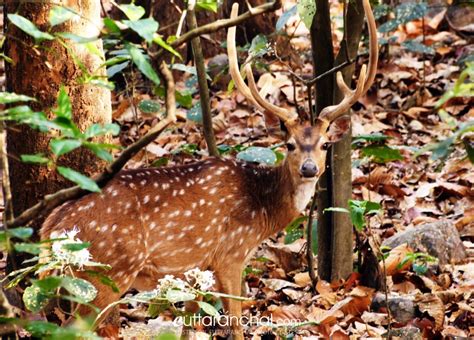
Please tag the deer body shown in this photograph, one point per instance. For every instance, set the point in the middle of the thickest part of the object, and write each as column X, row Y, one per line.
column 212, row 214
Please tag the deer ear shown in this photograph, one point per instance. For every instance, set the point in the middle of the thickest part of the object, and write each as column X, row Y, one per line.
column 339, row 128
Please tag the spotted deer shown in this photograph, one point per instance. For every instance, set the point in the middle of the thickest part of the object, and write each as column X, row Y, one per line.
column 210, row 214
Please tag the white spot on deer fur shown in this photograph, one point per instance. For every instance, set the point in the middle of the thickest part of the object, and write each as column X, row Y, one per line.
column 208, row 227
column 114, row 193
column 222, row 200
column 114, row 227
column 146, row 217
column 213, row 191
column 104, row 228
column 181, row 235
column 217, row 212
column 232, row 172
column 201, row 214
column 143, row 182
column 155, row 184
column 219, row 228
column 109, row 210
column 102, row 244
column 177, row 179
column 146, row 199
column 201, row 181
column 187, row 213
column 174, row 193
column 174, row 214
column 202, row 201
column 93, row 224
column 156, row 209
column 124, row 231
column 253, row 214
column 209, row 203
column 198, row 241
column 165, row 186
column 188, row 250
column 214, row 221
column 208, row 177
column 165, row 204
column 169, row 224
column 240, row 229
column 128, row 205
column 205, row 188
column 181, row 192
column 170, row 237
column 241, row 241
column 132, row 185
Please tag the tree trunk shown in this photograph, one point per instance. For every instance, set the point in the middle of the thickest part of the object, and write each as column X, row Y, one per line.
column 323, row 60
column 39, row 71
column 335, row 247
column 342, row 243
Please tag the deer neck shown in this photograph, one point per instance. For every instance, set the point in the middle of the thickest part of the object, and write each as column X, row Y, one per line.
column 281, row 195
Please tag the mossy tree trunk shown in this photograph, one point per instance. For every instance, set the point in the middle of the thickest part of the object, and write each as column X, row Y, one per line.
column 39, row 72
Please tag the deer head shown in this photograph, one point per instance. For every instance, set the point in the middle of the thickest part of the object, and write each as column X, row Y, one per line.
column 307, row 144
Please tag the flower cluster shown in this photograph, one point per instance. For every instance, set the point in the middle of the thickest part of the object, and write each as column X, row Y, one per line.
column 196, row 279
column 61, row 249
column 203, row 280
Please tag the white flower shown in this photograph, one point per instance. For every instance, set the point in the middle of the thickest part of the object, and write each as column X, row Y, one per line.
column 170, row 282
column 68, row 257
column 198, row 278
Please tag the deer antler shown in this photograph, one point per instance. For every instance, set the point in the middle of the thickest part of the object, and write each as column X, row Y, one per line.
column 251, row 93
column 366, row 78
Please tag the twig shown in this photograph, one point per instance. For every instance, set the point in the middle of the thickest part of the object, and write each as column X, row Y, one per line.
column 52, row 201
column 219, row 24
column 202, row 81
column 309, row 246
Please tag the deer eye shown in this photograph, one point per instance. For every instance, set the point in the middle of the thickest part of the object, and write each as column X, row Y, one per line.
column 326, row 146
column 290, row 146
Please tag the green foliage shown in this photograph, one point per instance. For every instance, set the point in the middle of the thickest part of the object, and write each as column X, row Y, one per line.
column 259, row 46
column 463, row 87
column 29, row 28
column 294, row 230
column 207, row 5
column 417, row 47
column 195, row 113
column 83, row 181
column 10, row 97
column 149, row 106
column 306, row 11
column 283, row 19
column 381, row 153
column 404, row 13
column 38, row 158
column 419, row 262
column 132, row 11
column 60, row 14
column 146, row 28
column 360, row 209
column 258, row 154
column 142, row 63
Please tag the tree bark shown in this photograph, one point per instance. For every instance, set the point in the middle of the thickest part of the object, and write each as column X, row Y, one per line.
column 323, row 60
column 342, row 240
column 39, row 71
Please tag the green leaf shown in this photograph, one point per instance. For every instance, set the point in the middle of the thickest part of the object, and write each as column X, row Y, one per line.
column 114, row 69
column 30, row 248
column 306, row 11
column 381, row 153
column 283, row 19
column 99, row 151
column 381, row 11
column 259, row 46
column 76, row 246
column 48, row 284
column 149, row 106
column 195, row 113
column 359, row 209
column 258, row 154
column 106, row 280
column 294, row 231
column 61, row 146
column 83, row 181
column 208, row 309
column 184, row 99
column 417, row 47
column 59, row 14
column 337, row 209
column 112, row 26
column 29, row 28
column 174, row 296
column 207, row 5
column 20, row 232
column 142, row 63
column 41, row 328
column 469, row 146
column 146, row 28
column 132, row 11
column 77, row 38
column 10, row 97
column 82, row 289
column 102, row 129
column 160, row 42
column 64, row 107
column 314, row 244
column 35, row 299
column 38, row 158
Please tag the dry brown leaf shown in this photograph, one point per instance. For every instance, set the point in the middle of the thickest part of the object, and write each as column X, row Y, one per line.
column 395, row 257
column 302, row 279
column 324, row 288
column 432, row 305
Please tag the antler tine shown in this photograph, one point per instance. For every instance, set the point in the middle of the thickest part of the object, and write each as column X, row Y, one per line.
column 233, row 62
column 251, row 93
column 366, row 78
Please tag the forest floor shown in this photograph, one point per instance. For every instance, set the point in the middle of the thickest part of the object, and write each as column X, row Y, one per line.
column 415, row 188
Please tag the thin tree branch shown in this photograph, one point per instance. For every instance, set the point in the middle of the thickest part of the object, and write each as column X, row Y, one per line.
column 203, row 88
column 309, row 245
column 52, row 201
column 219, row 24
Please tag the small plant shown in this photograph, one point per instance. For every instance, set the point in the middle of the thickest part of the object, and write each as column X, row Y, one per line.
column 419, row 262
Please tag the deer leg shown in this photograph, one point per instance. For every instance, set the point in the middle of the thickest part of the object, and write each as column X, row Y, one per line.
column 230, row 282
